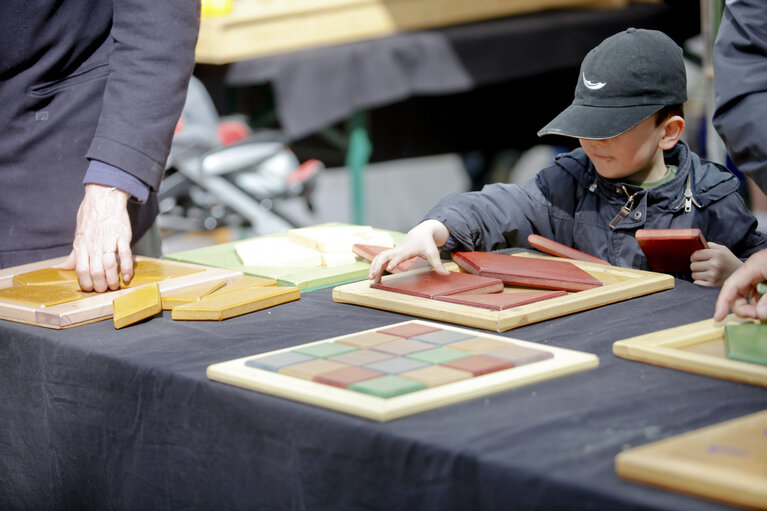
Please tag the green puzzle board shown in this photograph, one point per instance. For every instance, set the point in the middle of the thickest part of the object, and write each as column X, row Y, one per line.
column 306, row 279
column 401, row 369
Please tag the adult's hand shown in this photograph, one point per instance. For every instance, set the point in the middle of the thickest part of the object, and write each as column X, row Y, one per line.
column 102, row 236
column 739, row 290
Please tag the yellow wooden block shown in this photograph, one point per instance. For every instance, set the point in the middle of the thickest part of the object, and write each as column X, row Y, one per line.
column 139, row 304
column 145, row 271
column 41, row 295
column 189, row 295
column 227, row 305
column 45, row 276
column 245, row 282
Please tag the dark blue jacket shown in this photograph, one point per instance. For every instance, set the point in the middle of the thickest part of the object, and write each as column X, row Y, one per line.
column 572, row 204
column 79, row 79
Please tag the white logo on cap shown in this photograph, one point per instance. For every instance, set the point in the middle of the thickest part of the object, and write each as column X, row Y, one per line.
column 592, row 85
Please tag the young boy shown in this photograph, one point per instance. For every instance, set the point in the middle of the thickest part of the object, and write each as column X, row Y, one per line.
column 631, row 172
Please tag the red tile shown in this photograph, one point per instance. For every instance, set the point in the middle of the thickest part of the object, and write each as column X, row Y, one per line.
column 431, row 284
column 479, row 365
column 408, row 330
column 558, row 249
column 347, row 376
column 669, row 250
column 527, row 271
column 369, row 252
column 501, row 301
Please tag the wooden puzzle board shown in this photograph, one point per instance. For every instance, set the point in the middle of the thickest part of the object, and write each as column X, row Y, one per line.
column 695, row 347
column 619, row 284
column 305, row 279
column 725, row 462
column 262, row 27
column 97, row 306
column 561, row 362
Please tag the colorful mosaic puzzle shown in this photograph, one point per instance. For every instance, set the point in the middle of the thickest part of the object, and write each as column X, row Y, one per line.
column 397, row 370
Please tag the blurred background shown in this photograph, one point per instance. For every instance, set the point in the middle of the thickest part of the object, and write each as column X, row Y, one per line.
column 306, row 111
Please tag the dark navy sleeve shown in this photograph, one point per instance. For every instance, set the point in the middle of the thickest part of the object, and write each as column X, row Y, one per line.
column 740, row 84
column 150, row 65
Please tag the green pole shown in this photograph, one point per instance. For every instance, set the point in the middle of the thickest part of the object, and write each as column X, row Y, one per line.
column 357, row 158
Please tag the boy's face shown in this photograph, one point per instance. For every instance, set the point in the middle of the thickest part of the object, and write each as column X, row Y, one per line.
column 634, row 155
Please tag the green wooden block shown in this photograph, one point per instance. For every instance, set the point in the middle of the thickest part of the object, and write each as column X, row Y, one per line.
column 747, row 342
column 438, row 355
column 325, row 350
column 388, row 386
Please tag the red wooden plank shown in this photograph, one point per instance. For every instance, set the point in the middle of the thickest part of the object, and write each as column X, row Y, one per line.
column 501, row 301
column 558, row 249
column 669, row 250
column 527, row 271
column 431, row 284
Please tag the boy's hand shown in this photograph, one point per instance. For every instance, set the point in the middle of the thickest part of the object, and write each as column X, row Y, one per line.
column 711, row 266
column 422, row 240
column 739, row 291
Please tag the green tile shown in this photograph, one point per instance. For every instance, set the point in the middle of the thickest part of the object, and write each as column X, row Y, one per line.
column 387, row 386
column 747, row 342
column 438, row 355
column 325, row 350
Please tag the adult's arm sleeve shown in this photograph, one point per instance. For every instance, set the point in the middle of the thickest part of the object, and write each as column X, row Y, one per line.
column 151, row 62
column 740, row 84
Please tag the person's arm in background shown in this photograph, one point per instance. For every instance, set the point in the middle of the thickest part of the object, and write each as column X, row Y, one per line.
column 151, row 62
column 740, row 118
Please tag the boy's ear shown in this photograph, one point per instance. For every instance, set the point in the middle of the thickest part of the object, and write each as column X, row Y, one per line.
column 673, row 127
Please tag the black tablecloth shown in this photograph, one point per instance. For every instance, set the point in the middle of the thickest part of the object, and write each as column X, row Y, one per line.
column 315, row 88
column 93, row 418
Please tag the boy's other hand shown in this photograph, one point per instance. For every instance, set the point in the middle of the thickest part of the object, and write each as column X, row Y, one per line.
column 422, row 240
column 739, row 290
column 711, row 266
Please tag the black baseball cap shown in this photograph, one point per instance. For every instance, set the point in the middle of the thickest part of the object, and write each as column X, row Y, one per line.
column 623, row 81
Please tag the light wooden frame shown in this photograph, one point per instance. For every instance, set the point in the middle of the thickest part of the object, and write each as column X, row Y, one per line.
column 99, row 306
column 619, row 284
column 723, row 462
column 664, row 348
column 564, row 362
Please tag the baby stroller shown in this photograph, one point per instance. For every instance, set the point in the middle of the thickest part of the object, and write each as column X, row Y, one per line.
column 220, row 173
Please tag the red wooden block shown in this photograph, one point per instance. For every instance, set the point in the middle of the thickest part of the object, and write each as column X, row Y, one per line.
column 369, row 252
column 408, row 330
column 479, row 364
column 527, row 271
column 501, row 301
column 346, row 376
column 669, row 250
column 558, row 249
column 431, row 284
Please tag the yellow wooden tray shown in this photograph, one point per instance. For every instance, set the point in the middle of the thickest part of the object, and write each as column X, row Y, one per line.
column 619, row 284
column 563, row 362
column 696, row 347
column 97, row 306
column 726, row 462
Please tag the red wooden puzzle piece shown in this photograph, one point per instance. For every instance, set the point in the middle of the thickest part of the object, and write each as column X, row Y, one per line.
column 558, row 249
column 369, row 252
column 527, row 271
column 669, row 250
column 431, row 284
column 501, row 301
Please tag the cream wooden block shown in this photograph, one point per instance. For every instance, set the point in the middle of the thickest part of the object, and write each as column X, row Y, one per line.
column 277, row 252
column 138, row 304
column 619, row 284
column 695, row 347
column 339, row 238
column 227, row 305
column 333, row 259
column 262, row 27
column 562, row 363
column 726, row 462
